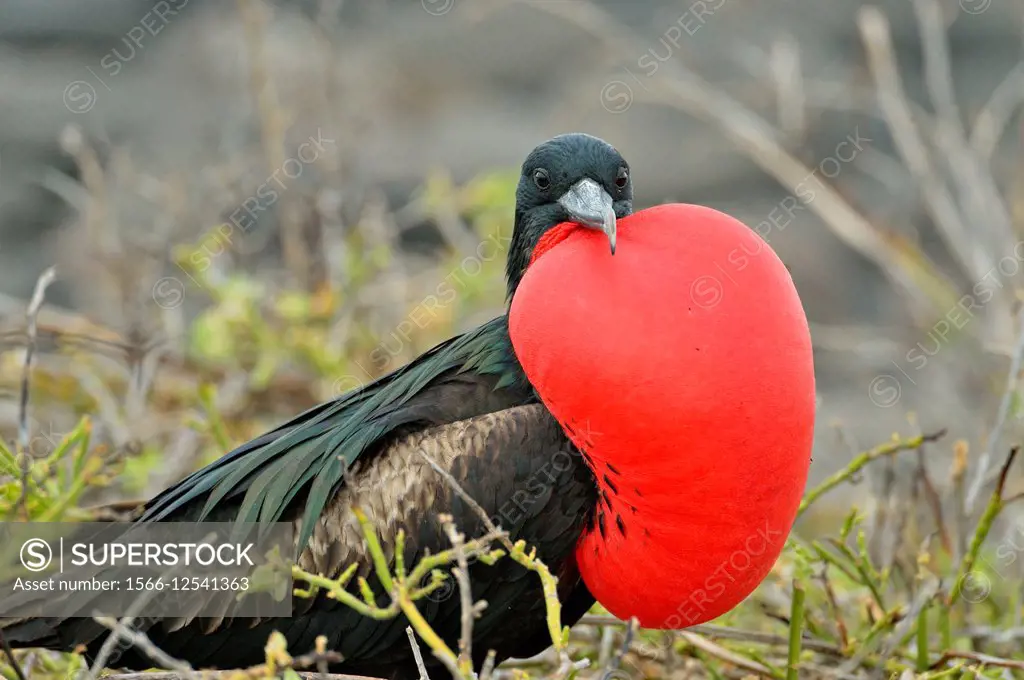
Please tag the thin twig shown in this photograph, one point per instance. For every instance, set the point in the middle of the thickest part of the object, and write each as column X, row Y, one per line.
column 403, row 587
column 124, row 626
column 790, row 101
column 883, row 505
column 958, row 476
column 709, row 647
column 232, row 675
column 924, row 597
column 487, row 670
column 120, row 631
column 273, row 123
column 995, row 116
column 874, row 29
column 977, row 188
column 996, row 635
column 992, row 510
column 1012, row 376
column 612, row 662
column 518, row 552
column 417, row 654
column 604, row 651
column 934, row 501
column 468, row 500
column 863, row 459
column 796, row 631
column 468, row 608
column 985, row 659
column 6, row 646
column 837, row 615
column 34, row 305
column 723, row 632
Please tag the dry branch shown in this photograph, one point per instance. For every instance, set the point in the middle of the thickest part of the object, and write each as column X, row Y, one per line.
column 229, row 675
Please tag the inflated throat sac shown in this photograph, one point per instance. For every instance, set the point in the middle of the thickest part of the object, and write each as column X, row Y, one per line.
column 682, row 366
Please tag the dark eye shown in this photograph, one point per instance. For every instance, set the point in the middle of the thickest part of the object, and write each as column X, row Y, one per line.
column 541, row 178
column 622, row 179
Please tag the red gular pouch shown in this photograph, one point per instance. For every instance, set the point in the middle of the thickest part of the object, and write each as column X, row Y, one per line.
column 681, row 366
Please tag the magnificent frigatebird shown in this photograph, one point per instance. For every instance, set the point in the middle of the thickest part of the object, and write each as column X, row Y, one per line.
column 643, row 418
column 468, row 402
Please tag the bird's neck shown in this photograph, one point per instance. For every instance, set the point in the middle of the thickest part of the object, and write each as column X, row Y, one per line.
column 529, row 234
column 518, row 255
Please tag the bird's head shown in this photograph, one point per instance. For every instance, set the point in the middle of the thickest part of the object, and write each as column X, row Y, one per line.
column 573, row 180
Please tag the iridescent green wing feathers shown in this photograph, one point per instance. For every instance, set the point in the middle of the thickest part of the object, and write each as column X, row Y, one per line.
column 308, row 456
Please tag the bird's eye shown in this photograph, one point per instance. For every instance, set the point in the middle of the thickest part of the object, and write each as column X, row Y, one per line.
column 541, row 178
column 622, row 179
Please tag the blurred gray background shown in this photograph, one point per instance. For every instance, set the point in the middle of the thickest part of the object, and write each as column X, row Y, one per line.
column 471, row 86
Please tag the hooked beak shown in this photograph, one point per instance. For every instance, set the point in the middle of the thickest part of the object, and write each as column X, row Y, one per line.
column 590, row 205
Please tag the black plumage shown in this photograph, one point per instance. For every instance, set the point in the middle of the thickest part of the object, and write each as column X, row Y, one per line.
column 468, row 402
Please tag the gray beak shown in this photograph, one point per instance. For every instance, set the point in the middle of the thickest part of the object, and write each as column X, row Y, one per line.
column 590, row 205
